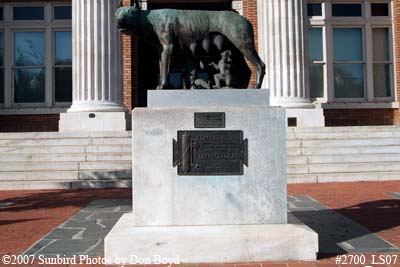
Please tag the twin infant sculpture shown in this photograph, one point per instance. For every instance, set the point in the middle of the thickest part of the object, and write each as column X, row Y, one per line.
column 194, row 30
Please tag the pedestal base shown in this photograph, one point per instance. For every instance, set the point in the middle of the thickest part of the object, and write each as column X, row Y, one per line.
column 306, row 117
column 210, row 244
column 92, row 121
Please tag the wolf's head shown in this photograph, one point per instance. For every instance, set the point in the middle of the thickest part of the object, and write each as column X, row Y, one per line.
column 128, row 17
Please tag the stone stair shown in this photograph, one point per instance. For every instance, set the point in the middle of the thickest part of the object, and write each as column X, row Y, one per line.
column 103, row 159
column 65, row 160
column 340, row 154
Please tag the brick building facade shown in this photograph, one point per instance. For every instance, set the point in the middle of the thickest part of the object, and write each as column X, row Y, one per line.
column 367, row 110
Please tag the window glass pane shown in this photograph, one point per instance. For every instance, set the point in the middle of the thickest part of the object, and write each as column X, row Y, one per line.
column 349, row 80
column 346, row 10
column 316, row 80
column 63, row 84
column 1, row 86
column 1, row 49
column 63, row 48
column 379, row 9
column 28, row 13
column 29, row 49
column 348, row 44
column 315, row 44
column 314, row 9
column 1, row 13
column 382, row 87
column 380, row 40
column 29, row 85
column 62, row 12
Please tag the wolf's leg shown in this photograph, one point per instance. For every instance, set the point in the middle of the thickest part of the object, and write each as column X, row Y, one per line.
column 164, row 65
column 250, row 53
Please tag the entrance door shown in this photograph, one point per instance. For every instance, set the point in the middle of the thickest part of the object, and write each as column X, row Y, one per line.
column 148, row 64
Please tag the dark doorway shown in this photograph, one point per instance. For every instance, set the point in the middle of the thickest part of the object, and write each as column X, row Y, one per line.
column 148, row 59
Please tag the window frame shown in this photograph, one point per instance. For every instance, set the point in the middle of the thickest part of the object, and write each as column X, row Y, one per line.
column 9, row 26
column 2, row 67
column 363, row 63
column 13, row 68
column 54, row 66
column 28, row 5
column 54, row 5
column 367, row 23
column 390, row 62
column 322, row 62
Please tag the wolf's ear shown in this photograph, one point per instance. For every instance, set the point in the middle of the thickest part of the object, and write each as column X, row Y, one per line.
column 137, row 4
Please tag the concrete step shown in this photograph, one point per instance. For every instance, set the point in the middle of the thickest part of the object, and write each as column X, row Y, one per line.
column 355, row 129
column 39, row 166
column 63, row 184
column 344, row 150
column 46, row 175
column 63, row 135
column 359, row 158
column 348, row 142
column 344, row 135
column 65, row 149
column 80, row 157
column 343, row 177
column 65, row 142
column 343, row 168
column 332, row 159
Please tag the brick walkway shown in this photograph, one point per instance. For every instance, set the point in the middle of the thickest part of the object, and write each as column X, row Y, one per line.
column 26, row 216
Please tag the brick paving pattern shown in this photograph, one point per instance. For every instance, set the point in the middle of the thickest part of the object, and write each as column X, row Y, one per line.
column 27, row 216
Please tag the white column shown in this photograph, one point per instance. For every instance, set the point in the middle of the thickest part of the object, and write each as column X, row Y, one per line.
column 97, row 68
column 282, row 46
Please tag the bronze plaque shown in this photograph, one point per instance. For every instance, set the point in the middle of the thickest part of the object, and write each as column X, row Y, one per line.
column 210, row 153
column 209, row 120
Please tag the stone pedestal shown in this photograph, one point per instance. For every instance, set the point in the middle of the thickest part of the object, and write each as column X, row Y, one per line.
column 210, row 217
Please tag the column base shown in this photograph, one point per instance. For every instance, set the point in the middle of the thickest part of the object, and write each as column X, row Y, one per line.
column 92, row 121
column 292, row 102
column 305, row 117
column 209, row 243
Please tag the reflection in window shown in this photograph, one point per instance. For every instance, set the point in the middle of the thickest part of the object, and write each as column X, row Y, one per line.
column 346, row 10
column 379, row 9
column 29, row 69
column 1, row 70
column 380, row 40
column 349, row 80
column 382, row 62
column 348, row 63
column 63, row 12
column 315, row 44
column 29, row 48
column 314, row 9
column 29, row 85
column 316, row 66
column 63, row 66
column 28, row 13
column 348, row 44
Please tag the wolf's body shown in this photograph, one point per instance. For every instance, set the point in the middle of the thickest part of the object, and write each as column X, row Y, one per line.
column 168, row 27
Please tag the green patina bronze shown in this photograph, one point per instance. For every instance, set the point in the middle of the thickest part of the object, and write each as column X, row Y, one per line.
column 190, row 28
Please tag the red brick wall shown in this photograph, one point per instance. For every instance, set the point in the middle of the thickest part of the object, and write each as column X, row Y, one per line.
column 396, row 22
column 29, row 123
column 361, row 117
column 250, row 12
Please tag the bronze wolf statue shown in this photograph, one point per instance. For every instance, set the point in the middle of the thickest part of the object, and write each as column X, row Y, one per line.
column 187, row 28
